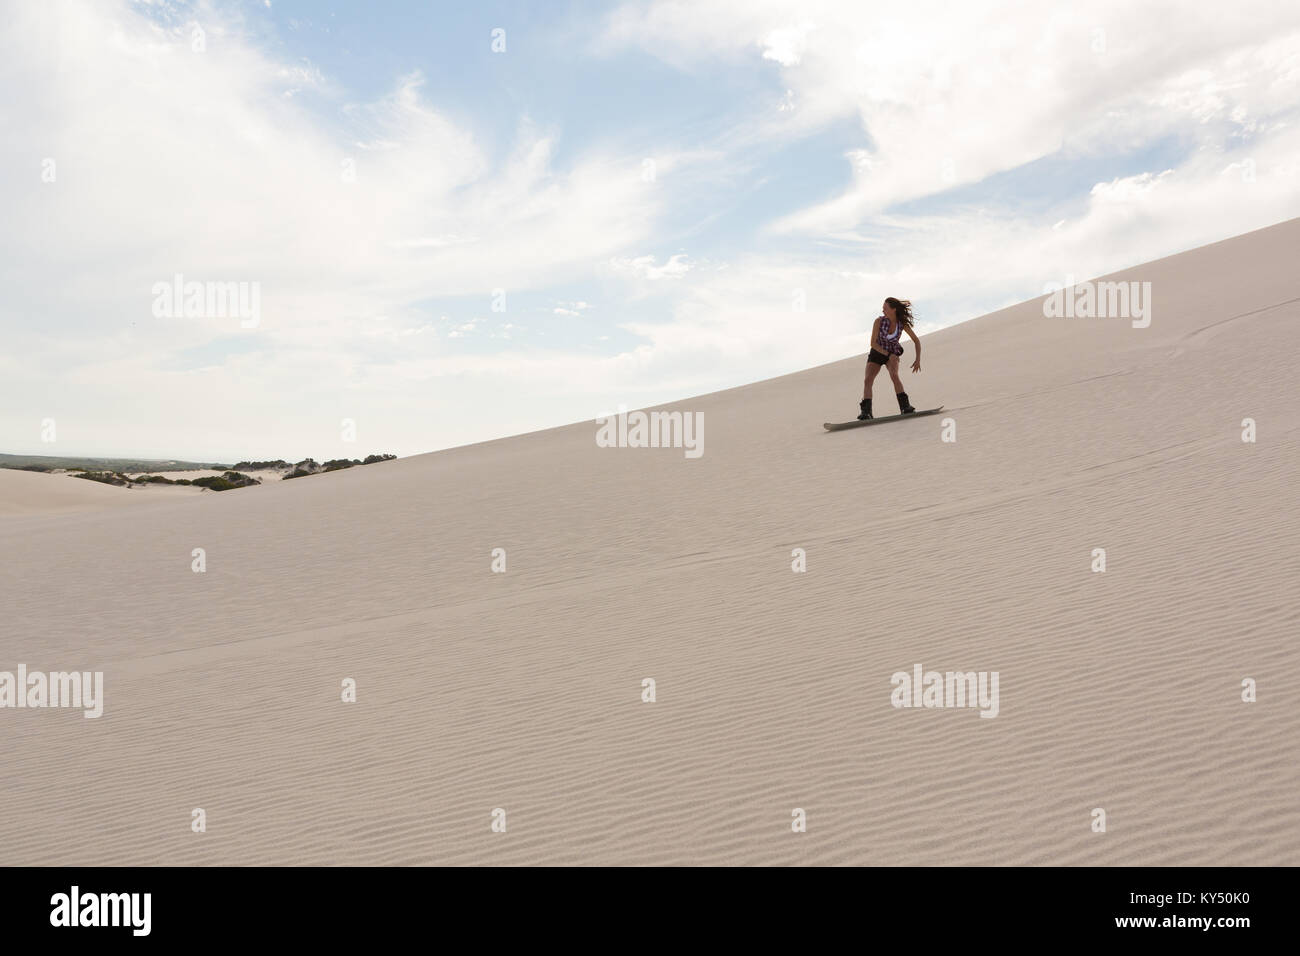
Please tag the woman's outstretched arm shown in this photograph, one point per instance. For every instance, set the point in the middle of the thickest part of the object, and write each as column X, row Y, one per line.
column 916, row 366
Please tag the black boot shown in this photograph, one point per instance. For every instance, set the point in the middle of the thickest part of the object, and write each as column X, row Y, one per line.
column 865, row 405
column 904, row 405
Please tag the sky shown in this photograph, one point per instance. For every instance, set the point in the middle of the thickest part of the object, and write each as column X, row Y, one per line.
column 466, row 221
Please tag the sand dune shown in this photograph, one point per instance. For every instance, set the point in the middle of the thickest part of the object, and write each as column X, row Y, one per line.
column 263, row 475
column 31, row 493
column 37, row 493
column 1118, row 690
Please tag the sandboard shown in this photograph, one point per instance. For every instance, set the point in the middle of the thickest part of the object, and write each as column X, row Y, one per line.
column 834, row 427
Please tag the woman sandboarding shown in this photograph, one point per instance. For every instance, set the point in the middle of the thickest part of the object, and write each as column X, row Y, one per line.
column 896, row 319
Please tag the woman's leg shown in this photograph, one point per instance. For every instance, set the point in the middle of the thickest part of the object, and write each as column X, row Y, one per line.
column 893, row 374
column 904, row 405
column 872, row 371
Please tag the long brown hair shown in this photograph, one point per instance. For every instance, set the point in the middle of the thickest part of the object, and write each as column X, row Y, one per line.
column 902, row 310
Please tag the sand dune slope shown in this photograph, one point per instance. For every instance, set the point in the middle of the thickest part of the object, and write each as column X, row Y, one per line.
column 36, row 493
column 1118, row 690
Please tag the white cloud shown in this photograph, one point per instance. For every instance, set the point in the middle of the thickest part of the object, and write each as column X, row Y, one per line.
column 1129, row 188
column 785, row 45
column 571, row 308
column 950, row 94
column 171, row 161
column 643, row 267
column 174, row 161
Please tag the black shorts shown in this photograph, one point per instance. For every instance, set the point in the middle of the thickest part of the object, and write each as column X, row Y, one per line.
column 879, row 357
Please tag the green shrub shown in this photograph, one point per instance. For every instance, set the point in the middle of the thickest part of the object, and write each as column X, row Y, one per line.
column 231, row 479
column 105, row 477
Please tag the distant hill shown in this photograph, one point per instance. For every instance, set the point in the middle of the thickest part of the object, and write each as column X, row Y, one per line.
column 45, row 462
